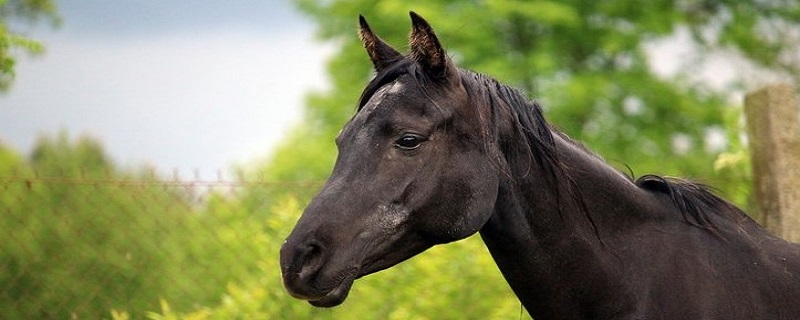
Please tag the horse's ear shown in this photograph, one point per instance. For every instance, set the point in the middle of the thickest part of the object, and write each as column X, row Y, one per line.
column 381, row 54
column 426, row 49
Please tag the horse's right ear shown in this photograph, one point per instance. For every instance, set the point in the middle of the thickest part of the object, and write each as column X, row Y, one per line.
column 381, row 54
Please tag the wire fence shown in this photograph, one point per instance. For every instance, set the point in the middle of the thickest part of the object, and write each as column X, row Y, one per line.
column 77, row 248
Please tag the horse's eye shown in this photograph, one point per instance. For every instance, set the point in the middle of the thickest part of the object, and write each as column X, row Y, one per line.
column 409, row 141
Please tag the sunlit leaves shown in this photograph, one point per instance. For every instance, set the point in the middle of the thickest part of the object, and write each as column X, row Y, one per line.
column 11, row 43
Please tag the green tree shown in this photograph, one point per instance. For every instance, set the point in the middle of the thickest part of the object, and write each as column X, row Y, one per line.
column 82, row 237
column 74, row 246
column 29, row 11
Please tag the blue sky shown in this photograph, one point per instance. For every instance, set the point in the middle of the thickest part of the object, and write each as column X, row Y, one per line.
column 180, row 85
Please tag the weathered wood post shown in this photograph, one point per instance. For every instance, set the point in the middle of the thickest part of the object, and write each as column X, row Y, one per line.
column 773, row 129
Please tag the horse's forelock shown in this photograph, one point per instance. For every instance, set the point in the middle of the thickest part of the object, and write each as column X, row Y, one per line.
column 383, row 78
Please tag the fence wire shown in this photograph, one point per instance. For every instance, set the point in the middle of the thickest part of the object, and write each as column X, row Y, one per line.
column 77, row 248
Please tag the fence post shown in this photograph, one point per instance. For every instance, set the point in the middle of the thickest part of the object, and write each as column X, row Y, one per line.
column 773, row 130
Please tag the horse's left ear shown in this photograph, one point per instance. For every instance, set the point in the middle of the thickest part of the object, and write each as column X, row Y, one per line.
column 427, row 51
column 381, row 53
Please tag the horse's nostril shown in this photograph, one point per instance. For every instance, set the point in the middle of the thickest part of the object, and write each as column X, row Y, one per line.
column 313, row 253
column 309, row 260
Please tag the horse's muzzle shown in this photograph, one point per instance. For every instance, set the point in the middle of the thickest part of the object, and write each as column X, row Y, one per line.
column 304, row 277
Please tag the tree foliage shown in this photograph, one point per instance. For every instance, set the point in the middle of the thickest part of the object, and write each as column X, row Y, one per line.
column 68, row 243
column 20, row 10
column 83, row 237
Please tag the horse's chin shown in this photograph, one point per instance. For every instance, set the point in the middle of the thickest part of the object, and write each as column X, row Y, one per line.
column 335, row 297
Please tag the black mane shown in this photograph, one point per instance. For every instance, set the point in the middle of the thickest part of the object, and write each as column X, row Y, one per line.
column 526, row 116
column 386, row 76
column 535, row 139
column 696, row 201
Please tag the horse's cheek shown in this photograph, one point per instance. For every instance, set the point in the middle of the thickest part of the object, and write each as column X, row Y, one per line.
column 482, row 201
column 473, row 202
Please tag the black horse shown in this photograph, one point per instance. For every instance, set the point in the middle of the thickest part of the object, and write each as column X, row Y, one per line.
column 436, row 153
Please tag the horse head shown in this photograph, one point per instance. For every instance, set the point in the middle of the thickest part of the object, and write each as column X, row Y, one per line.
column 412, row 172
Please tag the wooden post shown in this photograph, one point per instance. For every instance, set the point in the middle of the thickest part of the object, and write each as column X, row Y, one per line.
column 773, row 129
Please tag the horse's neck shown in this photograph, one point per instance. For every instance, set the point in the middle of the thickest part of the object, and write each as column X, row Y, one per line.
column 548, row 249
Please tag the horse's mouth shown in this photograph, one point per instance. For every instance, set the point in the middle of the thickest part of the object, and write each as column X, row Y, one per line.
column 339, row 293
column 330, row 295
column 335, row 297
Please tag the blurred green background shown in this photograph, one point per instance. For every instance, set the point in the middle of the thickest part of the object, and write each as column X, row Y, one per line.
column 85, row 238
